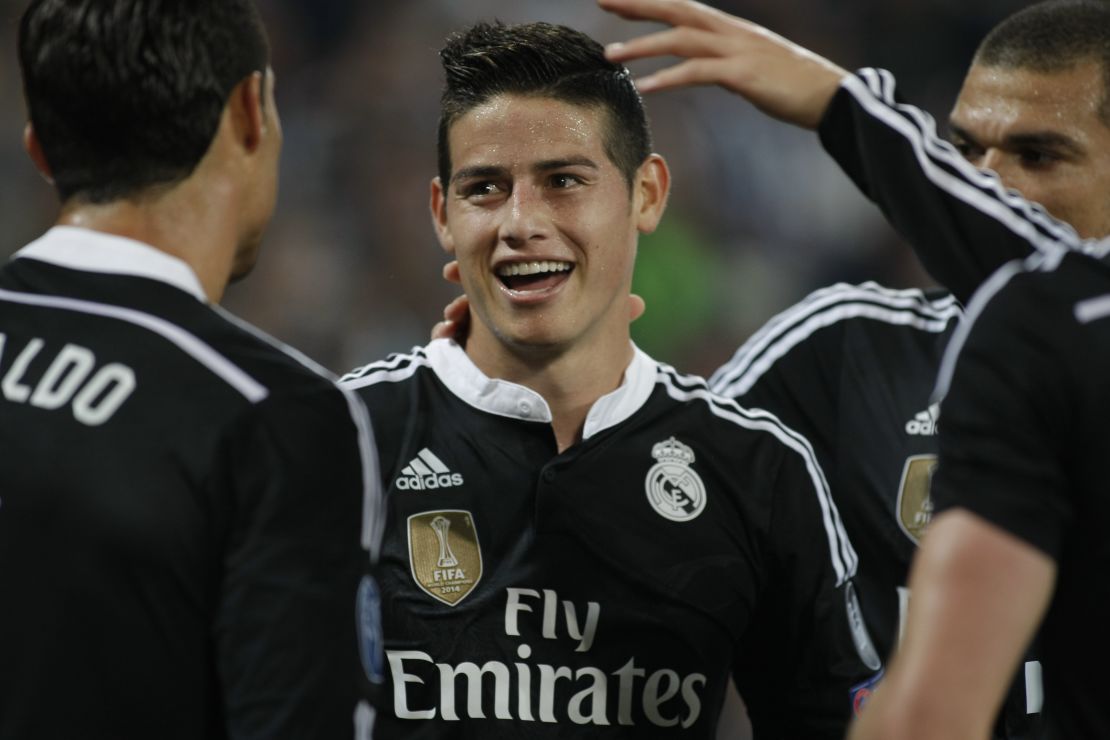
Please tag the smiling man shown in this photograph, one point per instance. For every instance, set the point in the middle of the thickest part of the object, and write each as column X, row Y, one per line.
column 582, row 542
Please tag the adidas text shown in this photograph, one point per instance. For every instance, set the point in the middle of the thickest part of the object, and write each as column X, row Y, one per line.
column 428, row 482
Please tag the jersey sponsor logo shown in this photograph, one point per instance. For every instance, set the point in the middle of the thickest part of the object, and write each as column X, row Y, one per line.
column 925, row 423
column 71, row 379
column 444, row 554
column 426, row 472
column 528, row 690
column 915, row 506
column 674, row 490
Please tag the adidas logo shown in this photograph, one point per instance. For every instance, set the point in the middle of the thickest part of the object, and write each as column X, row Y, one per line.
column 425, row 472
column 925, row 423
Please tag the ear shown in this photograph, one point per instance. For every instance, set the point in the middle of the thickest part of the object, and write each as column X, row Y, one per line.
column 246, row 112
column 34, row 149
column 650, row 190
column 438, row 203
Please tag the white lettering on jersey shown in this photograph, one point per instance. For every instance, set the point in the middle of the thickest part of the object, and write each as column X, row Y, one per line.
column 581, row 695
column 69, row 380
column 585, row 637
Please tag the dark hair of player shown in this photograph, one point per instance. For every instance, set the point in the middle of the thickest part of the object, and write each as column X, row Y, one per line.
column 542, row 60
column 125, row 95
column 1051, row 37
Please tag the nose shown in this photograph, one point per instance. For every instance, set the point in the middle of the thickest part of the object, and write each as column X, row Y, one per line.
column 526, row 217
column 1003, row 165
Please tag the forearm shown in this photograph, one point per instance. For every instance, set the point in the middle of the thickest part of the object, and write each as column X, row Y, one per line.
column 978, row 595
column 960, row 221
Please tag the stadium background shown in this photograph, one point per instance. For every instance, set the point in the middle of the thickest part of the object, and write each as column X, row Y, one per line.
column 350, row 270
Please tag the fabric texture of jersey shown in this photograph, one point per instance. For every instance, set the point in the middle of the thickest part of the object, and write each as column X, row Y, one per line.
column 1025, row 446
column 186, row 513
column 609, row 590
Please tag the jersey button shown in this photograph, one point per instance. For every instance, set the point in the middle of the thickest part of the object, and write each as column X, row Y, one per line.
column 525, row 408
column 548, row 475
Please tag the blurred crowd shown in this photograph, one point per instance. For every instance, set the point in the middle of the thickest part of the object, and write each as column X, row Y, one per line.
column 351, row 269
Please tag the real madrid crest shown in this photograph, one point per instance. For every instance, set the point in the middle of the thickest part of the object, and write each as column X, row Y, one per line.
column 915, row 505
column 444, row 554
column 673, row 489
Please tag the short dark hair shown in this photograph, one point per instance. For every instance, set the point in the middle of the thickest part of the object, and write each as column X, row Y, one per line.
column 542, row 60
column 1051, row 37
column 128, row 94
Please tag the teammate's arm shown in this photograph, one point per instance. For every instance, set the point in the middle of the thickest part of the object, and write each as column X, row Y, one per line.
column 978, row 594
column 961, row 222
column 300, row 481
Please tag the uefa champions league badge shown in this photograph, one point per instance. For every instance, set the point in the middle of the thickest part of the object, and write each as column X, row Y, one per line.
column 368, row 616
column 674, row 490
column 861, row 693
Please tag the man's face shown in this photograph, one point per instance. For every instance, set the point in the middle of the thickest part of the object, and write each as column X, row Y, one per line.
column 542, row 222
column 1043, row 135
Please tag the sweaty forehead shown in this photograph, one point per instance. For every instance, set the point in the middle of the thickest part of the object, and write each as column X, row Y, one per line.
column 513, row 128
column 999, row 97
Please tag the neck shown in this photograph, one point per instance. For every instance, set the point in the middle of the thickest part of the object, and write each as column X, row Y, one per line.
column 571, row 379
column 193, row 224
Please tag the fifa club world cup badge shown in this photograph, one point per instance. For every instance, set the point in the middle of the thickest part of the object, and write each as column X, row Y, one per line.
column 444, row 554
column 915, row 505
column 674, row 490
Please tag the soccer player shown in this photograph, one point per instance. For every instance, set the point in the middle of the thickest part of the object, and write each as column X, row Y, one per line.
column 852, row 367
column 580, row 541
column 187, row 505
column 1032, row 107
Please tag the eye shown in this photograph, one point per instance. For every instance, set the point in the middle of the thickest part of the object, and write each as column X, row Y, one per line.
column 967, row 150
column 1037, row 158
column 480, row 189
column 562, row 181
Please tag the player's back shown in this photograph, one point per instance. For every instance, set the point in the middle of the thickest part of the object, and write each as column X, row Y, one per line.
column 132, row 420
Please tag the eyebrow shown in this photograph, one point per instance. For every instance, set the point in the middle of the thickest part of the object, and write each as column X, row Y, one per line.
column 1034, row 139
column 546, row 165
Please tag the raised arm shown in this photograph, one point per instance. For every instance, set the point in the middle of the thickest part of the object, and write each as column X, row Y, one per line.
column 961, row 221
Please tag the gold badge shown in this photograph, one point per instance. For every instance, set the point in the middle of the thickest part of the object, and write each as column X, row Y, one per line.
column 915, row 505
column 444, row 554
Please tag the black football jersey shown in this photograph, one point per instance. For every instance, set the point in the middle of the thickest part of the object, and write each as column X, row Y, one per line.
column 852, row 368
column 185, row 514
column 1024, row 443
column 609, row 590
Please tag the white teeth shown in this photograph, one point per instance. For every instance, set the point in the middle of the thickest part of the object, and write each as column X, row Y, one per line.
column 532, row 268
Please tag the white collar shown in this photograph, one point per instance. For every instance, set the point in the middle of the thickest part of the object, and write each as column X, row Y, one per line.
column 463, row 378
column 96, row 251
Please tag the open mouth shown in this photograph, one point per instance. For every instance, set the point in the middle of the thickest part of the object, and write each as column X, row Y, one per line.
column 533, row 276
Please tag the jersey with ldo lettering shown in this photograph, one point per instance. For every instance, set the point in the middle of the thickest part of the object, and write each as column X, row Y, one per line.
column 610, row 590
column 185, row 513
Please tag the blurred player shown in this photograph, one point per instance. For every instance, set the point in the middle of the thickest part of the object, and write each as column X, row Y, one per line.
column 1032, row 107
column 186, row 502
column 581, row 541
